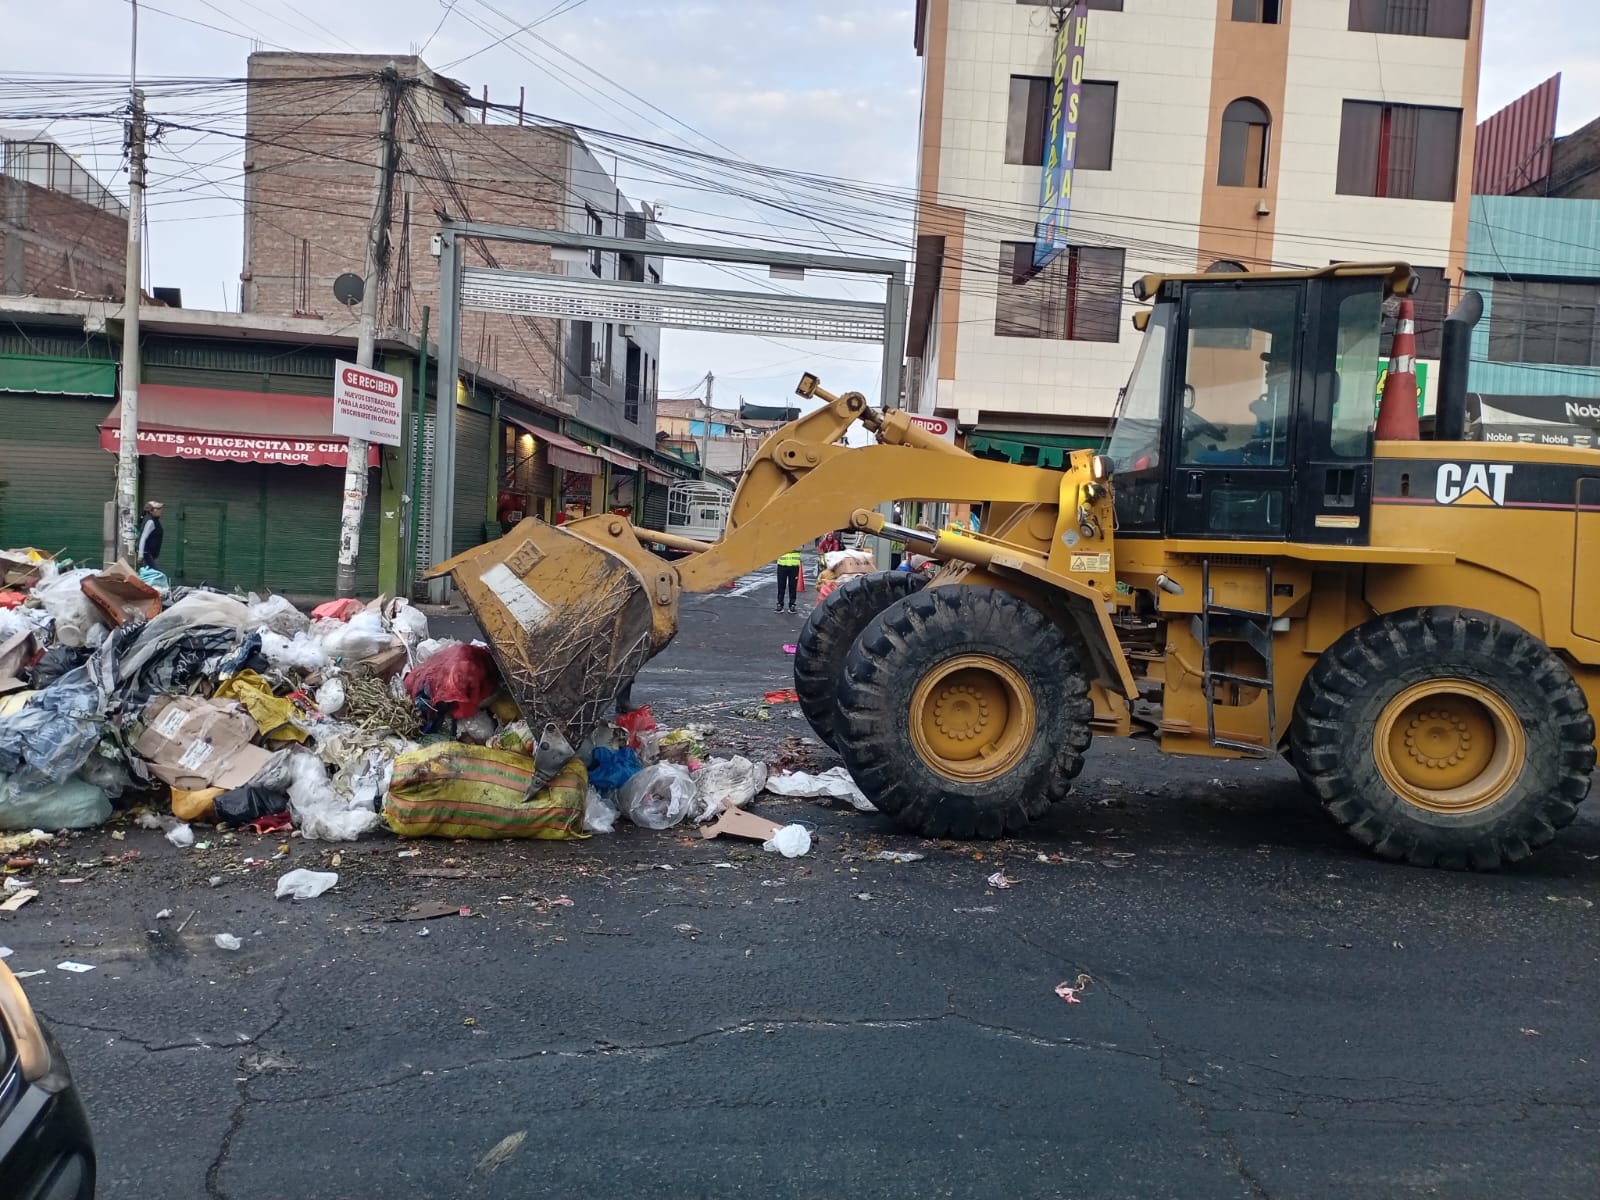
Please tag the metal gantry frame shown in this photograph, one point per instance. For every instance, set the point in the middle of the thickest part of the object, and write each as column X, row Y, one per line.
column 585, row 298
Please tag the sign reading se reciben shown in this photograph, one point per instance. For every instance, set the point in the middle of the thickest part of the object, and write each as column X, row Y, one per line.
column 367, row 404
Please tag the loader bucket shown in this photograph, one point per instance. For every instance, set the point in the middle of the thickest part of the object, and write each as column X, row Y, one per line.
column 568, row 620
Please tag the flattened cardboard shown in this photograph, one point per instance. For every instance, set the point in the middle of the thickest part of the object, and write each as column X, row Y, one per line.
column 193, row 744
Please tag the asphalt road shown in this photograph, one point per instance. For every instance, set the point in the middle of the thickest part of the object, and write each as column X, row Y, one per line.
column 1266, row 1012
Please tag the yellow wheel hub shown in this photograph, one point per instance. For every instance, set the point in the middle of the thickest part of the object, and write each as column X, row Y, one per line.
column 972, row 718
column 1449, row 746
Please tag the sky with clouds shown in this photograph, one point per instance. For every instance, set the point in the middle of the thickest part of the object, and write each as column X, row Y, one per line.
column 823, row 86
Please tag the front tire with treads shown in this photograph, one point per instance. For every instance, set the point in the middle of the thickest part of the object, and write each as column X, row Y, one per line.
column 964, row 712
column 1444, row 737
column 830, row 631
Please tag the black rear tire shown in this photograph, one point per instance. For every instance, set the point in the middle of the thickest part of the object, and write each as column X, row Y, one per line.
column 831, row 630
column 913, row 641
column 1355, row 694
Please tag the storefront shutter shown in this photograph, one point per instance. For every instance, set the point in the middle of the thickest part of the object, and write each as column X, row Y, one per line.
column 472, row 479
column 54, row 478
column 212, row 523
column 301, row 543
column 655, row 506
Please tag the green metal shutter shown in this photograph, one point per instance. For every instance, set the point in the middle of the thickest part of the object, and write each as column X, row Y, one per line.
column 301, row 542
column 472, row 479
column 54, row 478
column 212, row 523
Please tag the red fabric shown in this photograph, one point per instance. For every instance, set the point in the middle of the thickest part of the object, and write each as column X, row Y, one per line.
column 271, row 823
column 461, row 677
column 12, row 599
column 337, row 610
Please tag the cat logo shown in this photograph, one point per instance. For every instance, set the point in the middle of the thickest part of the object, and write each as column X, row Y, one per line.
column 1472, row 483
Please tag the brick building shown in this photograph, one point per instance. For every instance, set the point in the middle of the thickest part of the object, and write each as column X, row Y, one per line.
column 311, row 143
column 62, row 234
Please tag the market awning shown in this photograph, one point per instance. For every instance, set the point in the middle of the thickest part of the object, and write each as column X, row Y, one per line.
column 564, row 452
column 227, row 426
column 657, row 475
column 618, row 459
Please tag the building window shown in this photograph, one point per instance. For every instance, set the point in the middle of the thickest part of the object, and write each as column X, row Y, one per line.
column 1028, row 121
column 1398, row 150
column 1419, row 18
column 1545, row 323
column 1258, row 12
column 1025, row 120
column 596, row 228
column 1077, row 297
column 1242, row 158
column 655, row 275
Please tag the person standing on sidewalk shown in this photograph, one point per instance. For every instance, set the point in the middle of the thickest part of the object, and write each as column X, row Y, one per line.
column 788, row 578
column 150, row 534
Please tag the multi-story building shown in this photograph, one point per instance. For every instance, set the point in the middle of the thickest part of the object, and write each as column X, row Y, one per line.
column 1533, row 257
column 312, row 130
column 1238, row 133
column 726, row 439
column 62, row 233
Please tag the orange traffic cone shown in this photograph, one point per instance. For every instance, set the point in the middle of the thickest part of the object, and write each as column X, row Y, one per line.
column 800, row 580
column 1397, row 411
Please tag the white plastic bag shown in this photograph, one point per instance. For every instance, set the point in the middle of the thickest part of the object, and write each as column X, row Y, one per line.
column 479, row 729
column 301, row 884
column 430, row 647
column 226, row 941
column 599, row 814
column 835, row 783
column 409, row 623
column 278, row 615
column 726, row 783
column 302, row 652
column 180, row 835
column 319, row 811
column 75, row 614
column 362, row 636
column 330, row 697
column 791, row 841
column 657, row 797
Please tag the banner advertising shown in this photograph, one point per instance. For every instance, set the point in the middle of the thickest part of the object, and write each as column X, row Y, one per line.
column 1061, row 135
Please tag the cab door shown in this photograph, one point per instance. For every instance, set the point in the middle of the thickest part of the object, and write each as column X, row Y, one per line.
column 1238, row 386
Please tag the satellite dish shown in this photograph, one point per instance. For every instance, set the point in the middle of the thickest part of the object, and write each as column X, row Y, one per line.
column 348, row 289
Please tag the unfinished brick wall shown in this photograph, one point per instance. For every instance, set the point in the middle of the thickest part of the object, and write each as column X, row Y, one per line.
column 311, row 151
column 58, row 247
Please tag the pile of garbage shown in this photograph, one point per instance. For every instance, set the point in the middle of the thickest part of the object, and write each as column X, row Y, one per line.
column 121, row 692
column 839, row 565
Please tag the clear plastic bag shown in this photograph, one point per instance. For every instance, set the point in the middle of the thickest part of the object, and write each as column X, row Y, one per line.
column 74, row 613
column 278, row 615
column 599, row 814
column 360, row 637
column 409, row 623
column 330, row 697
column 319, row 811
column 726, row 783
column 302, row 652
column 658, row 797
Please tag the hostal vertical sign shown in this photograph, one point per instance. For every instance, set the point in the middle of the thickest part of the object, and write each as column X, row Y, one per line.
column 1061, row 142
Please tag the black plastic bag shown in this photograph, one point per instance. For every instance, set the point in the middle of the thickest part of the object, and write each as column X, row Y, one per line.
column 246, row 804
column 55, row 663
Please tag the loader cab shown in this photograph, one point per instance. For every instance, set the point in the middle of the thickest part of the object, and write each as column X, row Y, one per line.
column 1249, row 415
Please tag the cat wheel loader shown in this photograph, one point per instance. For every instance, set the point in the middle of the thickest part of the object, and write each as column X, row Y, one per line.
column 1244, row 571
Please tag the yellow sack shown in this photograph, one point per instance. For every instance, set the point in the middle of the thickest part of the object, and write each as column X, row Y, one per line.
column 11, row 705
column 272, row 714
column 195, row 806
column 454, row 790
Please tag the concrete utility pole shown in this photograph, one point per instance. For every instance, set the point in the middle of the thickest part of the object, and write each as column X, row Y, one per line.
column 373, row 274
column 132, row 289
column 705, row 424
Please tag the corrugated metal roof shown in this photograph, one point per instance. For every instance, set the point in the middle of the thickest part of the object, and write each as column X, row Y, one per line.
column 1513, row 146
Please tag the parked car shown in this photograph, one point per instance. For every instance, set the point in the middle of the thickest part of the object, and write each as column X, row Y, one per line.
column 46, row 1152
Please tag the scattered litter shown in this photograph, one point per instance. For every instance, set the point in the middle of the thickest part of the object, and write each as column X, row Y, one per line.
column 26, row 974
column 164, row 914
column 686, row 930
column 6, row 952
column 19, row 899
column 791, row 841
column 301, row 884
column 726, row 783
column 181, row 835
column 1071, row 991
column 864, row 896
column 1000, row 880
column 599, row 814
column 987, row 908
column 896, row 856
column 790, row 648
column 12, row 843
column 781, row 696
column 429, row 910
column 226, row 941
column 501, row 1151
column 835, row 783
column 1575, row 901
column 77, row 968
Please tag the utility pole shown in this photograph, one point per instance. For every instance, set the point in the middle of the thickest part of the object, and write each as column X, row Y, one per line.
column 132, row 289
column 373, row 274
column 705, row 424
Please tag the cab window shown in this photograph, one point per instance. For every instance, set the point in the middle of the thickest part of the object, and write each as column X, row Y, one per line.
column 1239, row 376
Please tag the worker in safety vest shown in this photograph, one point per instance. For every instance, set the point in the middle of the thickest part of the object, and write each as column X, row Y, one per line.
column 788, row 578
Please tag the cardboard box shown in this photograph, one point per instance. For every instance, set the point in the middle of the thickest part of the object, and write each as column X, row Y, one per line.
column 192, row 743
